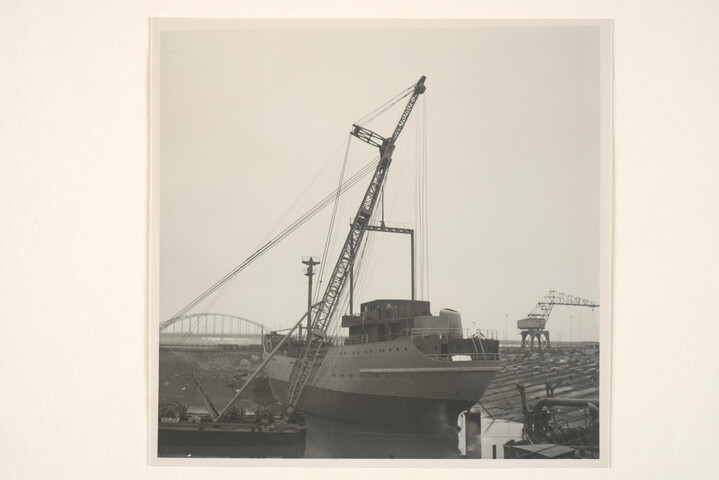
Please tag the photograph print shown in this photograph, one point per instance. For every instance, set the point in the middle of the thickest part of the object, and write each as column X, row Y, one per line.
column 384, row 239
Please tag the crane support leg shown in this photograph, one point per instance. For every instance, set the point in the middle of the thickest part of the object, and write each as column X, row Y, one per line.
column 541, row 337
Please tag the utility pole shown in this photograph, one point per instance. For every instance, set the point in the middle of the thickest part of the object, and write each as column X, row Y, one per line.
column 309, row 271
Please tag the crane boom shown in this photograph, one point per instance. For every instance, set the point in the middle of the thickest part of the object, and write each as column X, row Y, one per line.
column 320, row 321
column 537, row 318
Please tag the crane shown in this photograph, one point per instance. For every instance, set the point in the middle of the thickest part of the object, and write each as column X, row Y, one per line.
column 533, row 325
column 317, row 333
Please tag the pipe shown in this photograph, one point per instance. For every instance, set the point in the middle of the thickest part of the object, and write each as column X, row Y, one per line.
column 591, row 403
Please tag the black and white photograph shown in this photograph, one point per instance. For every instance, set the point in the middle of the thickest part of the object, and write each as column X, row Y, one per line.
column 380, row 239
column 387, row 240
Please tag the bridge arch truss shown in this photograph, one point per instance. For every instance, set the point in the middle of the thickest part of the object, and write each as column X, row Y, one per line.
column 213, row 325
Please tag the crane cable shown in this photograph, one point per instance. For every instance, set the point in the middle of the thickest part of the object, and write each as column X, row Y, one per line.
column 369, row 167
column 421, row 210
column 307, row 188
column 384, row 107
column 361, row 274
column 261, row 250
column 337, row 192
column 264, row 240
column 328, row 239
column 366, row 119
column 425, row 209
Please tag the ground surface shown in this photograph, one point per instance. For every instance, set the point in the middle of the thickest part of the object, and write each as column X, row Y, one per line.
column 578, row 373
column 220, row 373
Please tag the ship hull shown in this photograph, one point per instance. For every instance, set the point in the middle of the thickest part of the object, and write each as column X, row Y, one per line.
column 389, row 384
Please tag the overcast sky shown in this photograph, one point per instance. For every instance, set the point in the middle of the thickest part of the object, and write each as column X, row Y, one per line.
column 251, row 116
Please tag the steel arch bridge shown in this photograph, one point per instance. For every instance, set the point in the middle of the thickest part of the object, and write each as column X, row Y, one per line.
column 211, row 328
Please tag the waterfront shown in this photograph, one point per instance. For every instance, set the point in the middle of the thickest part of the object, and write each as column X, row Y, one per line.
column 220, row 377
column 330, row 439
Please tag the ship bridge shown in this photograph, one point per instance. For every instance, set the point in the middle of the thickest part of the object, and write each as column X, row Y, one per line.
column 381, row 320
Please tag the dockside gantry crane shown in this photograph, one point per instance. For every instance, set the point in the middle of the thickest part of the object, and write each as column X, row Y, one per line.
column 532, row 327
column 312, row 352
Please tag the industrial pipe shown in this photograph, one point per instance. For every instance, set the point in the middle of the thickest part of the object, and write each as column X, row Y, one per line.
column 592, row 404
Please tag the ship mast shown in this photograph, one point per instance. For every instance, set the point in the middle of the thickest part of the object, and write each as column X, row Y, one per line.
column 317, row 333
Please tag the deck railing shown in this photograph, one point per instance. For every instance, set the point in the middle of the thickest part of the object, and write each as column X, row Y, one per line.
column 449, row 332
column 488, row 334
column 438, row 332
column 357, row 339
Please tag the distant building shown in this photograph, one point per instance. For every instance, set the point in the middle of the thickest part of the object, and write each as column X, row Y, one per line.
column 590, row 348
